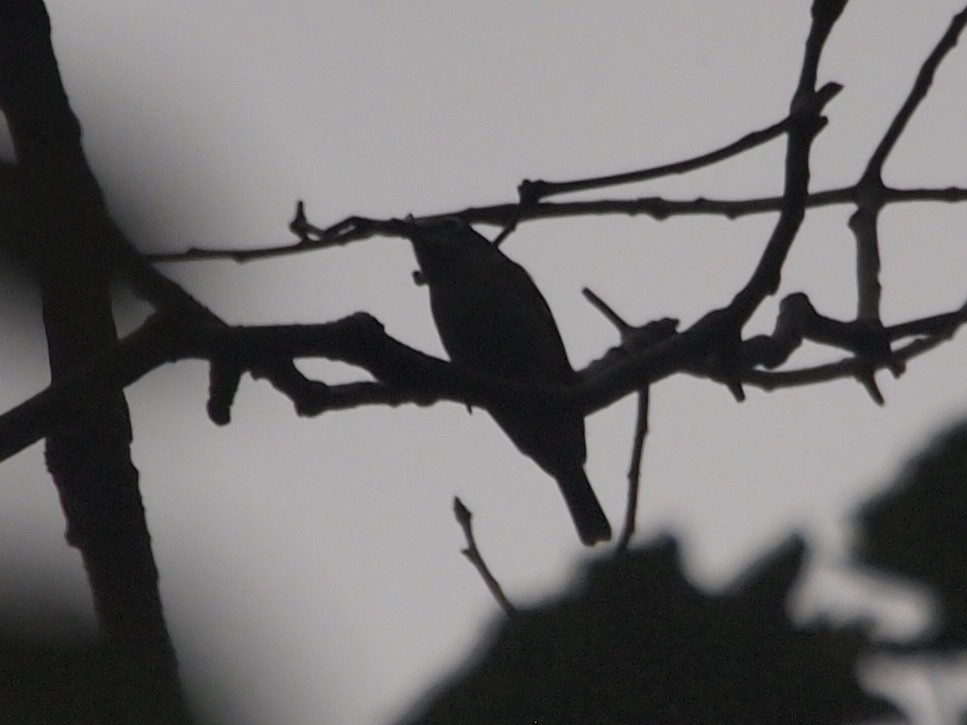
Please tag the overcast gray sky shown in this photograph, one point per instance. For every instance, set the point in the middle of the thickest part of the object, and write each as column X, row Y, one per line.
column 314, row 564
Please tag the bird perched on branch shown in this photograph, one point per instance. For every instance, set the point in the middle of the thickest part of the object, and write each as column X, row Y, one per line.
column 492, row 319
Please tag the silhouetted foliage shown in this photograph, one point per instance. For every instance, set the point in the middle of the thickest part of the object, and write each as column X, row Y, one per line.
column 637, row 643
column 77, row 681
column 918, row 530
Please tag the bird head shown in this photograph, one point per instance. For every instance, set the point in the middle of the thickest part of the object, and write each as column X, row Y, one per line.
column 442, row 242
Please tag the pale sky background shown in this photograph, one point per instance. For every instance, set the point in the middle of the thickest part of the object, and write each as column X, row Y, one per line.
column 312, row 567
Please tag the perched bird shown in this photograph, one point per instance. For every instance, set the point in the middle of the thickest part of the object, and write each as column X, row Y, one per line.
column 492, row 318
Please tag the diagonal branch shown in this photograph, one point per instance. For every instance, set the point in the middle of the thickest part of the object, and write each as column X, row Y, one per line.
column 919, row 91
column 532, row 192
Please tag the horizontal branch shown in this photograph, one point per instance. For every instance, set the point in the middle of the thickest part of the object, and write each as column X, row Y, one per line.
column 917, row 94
column 656, row 207
column 840, row 370
column 403, row 374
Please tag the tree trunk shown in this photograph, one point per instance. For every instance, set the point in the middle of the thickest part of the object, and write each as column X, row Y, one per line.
column 70, row 247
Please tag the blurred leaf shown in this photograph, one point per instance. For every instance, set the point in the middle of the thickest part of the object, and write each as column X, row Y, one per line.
column 918, row 529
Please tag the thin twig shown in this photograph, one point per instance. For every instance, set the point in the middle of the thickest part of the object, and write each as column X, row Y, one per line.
column 849, row 367
column 464, row 516
column 534, row 191
column 656, row 207
column 609, row 313
column 870, row 191
column 634, row 473
column 627, row 331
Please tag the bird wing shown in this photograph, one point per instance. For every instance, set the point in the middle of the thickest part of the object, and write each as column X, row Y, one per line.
column 492, row 317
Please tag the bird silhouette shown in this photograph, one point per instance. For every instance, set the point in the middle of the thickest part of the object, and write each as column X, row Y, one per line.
column 492, row 318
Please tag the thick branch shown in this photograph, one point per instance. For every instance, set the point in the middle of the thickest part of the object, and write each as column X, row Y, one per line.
column 405, row 375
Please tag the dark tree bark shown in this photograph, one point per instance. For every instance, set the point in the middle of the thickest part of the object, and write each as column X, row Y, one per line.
column 68, row 244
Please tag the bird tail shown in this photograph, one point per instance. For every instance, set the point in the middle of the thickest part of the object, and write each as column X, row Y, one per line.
column 589, row 517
